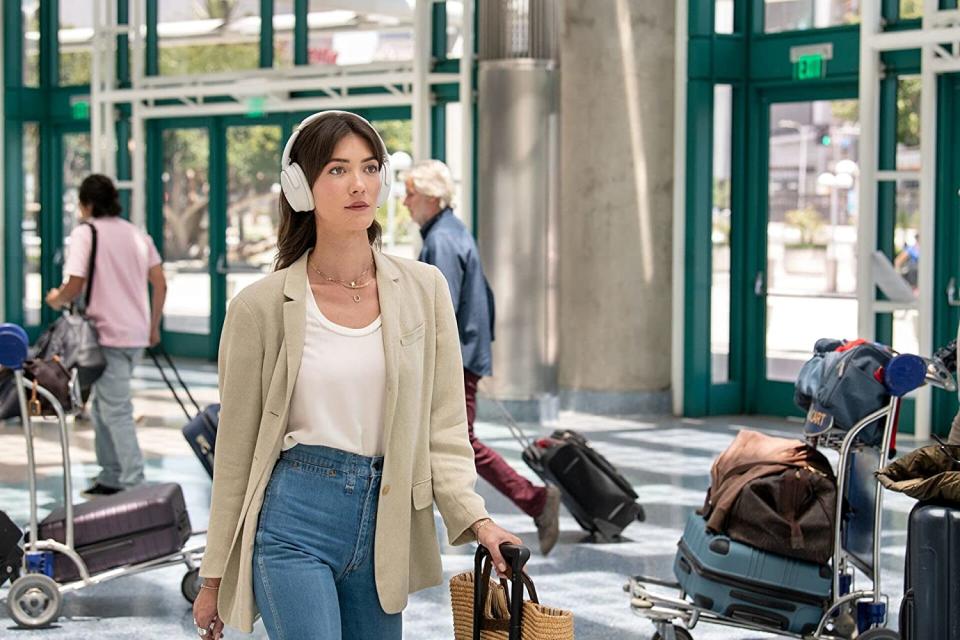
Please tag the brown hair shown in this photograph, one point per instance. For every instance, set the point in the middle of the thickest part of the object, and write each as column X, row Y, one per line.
column 312, row 151
column 98, row 192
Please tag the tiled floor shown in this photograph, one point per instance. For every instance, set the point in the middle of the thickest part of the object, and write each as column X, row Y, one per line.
column 666, row 459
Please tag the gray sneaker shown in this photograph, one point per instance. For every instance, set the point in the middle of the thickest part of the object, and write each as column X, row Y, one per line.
column 548, row 522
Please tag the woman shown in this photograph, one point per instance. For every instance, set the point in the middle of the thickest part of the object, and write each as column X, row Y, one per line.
column 125, row 261
column 329, row 461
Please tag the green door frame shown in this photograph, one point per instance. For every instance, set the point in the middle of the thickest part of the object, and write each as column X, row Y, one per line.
column 767, row 396
column 757, row 67
column 947, row 238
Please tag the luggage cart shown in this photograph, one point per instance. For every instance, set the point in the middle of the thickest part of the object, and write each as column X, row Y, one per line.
column 856, row 546
column 35, row 599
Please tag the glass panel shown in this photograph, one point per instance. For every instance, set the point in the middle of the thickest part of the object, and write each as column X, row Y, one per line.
column 791, row 15
column 208, row 37
column 30, row 226
column 343, row 37
column 811, row 230
column 723, row 16
column 76, row 41
column 906, row 235
column 911, row 9
column 186, row 226
column 454, row 29
column 283, row 22
column 906, row 331
column 399, row 231
column 253, row 155
column 720, row 288
column 31, row 42
column 908, row 123
column 76, row 167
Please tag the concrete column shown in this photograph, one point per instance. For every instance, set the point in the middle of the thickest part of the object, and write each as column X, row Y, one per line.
column 615, row 227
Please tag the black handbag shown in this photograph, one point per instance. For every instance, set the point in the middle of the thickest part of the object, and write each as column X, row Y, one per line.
column 74, row 338
column 48, row 373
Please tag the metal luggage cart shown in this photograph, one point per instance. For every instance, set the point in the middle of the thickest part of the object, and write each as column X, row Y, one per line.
column 856, row 545
column 35, row 599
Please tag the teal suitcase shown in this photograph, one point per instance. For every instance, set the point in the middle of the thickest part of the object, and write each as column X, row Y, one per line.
column 743, row 583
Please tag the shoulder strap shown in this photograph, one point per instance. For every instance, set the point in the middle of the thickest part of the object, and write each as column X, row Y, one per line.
column 91, row 265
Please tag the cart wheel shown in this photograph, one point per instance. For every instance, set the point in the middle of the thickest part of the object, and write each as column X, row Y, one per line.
column 190, row 585
column 34, row 601
column 681, row 633
column 879, row 634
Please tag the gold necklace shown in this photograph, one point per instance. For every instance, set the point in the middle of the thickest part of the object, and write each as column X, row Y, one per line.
column 353, row 285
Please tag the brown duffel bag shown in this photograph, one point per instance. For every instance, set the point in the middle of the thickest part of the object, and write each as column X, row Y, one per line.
column 775, row 494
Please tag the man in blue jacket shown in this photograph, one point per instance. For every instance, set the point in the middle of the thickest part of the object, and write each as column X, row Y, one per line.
column 449, row 246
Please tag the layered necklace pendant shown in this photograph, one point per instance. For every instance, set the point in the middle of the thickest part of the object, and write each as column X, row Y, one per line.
column 353, row 285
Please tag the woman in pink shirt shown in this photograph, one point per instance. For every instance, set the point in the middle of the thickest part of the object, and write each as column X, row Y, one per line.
column 125, row 261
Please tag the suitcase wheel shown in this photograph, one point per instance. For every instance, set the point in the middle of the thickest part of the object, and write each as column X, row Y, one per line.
column 679, row 633
column 34, row 601
column 190, row 585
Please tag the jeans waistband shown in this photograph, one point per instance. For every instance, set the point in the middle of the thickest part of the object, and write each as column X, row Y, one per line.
column 330, row 458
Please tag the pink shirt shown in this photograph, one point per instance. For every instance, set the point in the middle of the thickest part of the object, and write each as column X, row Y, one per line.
column 119, row 306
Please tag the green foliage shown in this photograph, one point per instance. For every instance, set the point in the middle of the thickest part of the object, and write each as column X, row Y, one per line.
column 908, row 112
column 808, row 221
column 396, row 134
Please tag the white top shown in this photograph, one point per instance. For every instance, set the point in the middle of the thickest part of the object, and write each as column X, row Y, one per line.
column 338, row 399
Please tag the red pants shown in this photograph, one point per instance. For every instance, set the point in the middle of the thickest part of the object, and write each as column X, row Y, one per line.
column 493, row 468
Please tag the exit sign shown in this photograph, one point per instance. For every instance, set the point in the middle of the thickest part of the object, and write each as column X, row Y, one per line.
column 809, row 67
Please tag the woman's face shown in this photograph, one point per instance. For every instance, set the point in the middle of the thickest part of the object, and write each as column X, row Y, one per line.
column 346, row 189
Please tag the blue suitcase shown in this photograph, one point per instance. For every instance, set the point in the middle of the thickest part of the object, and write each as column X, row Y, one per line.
column 743, row 583
column 201, row 429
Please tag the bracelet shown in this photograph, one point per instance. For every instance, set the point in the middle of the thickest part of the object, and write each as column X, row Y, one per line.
column 484, row 522
column 207, row 586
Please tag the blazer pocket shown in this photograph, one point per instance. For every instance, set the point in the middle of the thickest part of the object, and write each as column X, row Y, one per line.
column 423, row 494
column 414, row 336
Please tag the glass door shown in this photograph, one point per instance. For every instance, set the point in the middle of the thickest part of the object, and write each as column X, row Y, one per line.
column 185, row 196
column 805, row 281
column 253, row 187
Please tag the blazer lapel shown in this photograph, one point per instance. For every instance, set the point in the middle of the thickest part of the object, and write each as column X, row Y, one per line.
column 388, row 292
column 294, row 320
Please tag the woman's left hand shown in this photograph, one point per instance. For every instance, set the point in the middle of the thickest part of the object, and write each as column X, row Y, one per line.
column 491, row 536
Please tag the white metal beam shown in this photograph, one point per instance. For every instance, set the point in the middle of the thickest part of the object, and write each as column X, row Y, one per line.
column 422, row 58
column 677, row 373
column 466, row 114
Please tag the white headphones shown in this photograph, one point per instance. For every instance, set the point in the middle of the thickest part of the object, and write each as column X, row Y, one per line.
column 293, row 182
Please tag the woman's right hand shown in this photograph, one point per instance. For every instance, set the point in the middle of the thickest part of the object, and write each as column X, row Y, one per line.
column 205, row 617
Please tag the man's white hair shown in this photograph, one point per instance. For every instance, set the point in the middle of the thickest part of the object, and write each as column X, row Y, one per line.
column 432, row 178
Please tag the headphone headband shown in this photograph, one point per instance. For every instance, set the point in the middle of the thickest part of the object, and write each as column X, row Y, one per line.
column 285, row 158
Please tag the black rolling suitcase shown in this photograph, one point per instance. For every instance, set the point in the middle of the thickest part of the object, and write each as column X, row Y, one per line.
column 201, row 429
column 10, row 551
column 593, row 491
column 931, row 600
column 130, row 527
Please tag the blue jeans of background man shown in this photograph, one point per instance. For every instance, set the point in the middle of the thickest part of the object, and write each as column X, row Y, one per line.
column 115, row 434
column 313, row 556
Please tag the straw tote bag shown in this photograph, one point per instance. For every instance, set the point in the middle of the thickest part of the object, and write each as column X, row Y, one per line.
column 485, row 610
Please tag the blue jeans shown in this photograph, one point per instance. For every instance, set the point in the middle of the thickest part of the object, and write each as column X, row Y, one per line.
column 313, row 556
column 111, row 410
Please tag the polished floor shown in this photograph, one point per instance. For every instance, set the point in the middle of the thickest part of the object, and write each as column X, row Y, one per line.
column 667, row 460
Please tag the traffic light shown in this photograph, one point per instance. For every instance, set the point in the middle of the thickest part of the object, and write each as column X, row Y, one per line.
column 823, row 135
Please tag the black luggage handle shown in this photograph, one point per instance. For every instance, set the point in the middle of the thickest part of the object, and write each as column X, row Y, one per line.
column 517, row 557
column 176, row 396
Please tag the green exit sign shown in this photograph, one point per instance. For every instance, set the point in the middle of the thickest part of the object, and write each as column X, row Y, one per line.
column 809, row 67
column 80, row 110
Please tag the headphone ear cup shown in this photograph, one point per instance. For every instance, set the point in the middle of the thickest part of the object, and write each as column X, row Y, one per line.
column 386, row 183
column 293, row 183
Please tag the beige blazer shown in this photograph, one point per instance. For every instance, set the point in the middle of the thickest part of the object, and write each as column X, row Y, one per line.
column 427, row 454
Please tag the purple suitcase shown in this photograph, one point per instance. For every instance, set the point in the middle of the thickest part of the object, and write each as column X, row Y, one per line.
column 129, row 527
